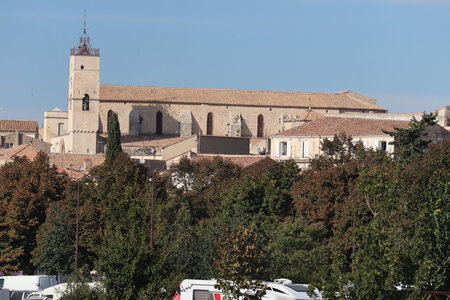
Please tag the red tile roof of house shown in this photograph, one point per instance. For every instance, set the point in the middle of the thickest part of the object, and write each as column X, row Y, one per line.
column 351, row 126
column 27, row 150
column 19, row 125
column 73, row 164
column 188, row 95
column 251, row 162
column 149, row 141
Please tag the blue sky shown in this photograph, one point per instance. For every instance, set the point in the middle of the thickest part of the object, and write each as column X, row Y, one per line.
column 397, row 51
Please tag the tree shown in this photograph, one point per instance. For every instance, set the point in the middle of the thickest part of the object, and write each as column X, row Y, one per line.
column 113, row 146
column 55, row 252
column 27, row 189
column 239, row 263
column 410, row 142
column 130, row 267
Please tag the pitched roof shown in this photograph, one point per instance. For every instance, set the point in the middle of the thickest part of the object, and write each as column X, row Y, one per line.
column 134, row 93
column 20, row 125
column 351, row 126
column 149, row 141
column 27, row 150
column 73, row 164
column 252, row 162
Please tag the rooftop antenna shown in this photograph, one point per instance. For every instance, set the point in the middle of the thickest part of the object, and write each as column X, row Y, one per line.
column 309, row 100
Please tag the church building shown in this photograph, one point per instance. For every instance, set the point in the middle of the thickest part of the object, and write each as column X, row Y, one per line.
column 150, row 111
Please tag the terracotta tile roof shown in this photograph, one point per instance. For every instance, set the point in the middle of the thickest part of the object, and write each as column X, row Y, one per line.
column 188, row 95
column 149, row 141
column 255, row 162
column 71, row 163
column 306, row 116
column 27, row 150
column 352, row 126
column 20, row 125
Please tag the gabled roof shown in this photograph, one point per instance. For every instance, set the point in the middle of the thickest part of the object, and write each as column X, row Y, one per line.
column 250, row 162
column 352, row 126
column 188, row 95
column 27, row 150
column 73, row 164
column 20, row 125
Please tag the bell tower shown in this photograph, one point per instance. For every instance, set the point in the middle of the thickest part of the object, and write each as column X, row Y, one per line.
column 84, row 95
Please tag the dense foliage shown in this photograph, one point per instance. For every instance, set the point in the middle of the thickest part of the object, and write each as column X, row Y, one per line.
column 113, row 145
column 359, row 224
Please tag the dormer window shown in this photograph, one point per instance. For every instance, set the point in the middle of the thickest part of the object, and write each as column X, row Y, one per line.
column 85, row 105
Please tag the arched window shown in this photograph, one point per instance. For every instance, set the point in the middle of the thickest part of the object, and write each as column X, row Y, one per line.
column 85, row 105
column 159, row 122
column 260, row 130
column 108, row 119
column 209, row 124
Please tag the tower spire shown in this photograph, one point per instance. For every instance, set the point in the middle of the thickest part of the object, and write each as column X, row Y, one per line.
column 84, row 47
column 84, row 31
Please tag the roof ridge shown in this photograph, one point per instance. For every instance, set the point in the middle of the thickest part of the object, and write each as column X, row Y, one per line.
column 222, row 89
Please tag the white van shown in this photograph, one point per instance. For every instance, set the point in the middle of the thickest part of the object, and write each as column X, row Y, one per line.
column 30, row 283
column 56, row 292
column 279, row 289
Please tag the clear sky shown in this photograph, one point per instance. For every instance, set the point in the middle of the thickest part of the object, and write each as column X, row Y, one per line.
column 397, row 51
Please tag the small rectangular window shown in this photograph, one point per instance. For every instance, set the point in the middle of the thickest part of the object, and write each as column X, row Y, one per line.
column 82, row 67
column 383, row 145
column 60, row 129
column 283, row 148
column 201, row 295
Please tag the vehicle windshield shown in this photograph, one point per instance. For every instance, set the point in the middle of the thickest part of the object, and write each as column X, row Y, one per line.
column 298, row 287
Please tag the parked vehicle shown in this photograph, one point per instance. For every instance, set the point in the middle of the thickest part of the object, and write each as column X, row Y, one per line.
column 19, row 295
column 279, row 289
column 56, row 292
column 33, row 295
column 27, row 283
column 4, row 294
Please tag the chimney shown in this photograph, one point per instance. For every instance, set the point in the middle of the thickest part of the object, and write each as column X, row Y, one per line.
column 87, row 164
column 16, row 138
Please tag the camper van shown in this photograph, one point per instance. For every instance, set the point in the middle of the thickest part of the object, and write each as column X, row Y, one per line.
column 30, row 283
column 279, row 289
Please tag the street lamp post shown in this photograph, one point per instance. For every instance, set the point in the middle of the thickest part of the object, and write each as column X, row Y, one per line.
column 77, row 224
column 153, row 209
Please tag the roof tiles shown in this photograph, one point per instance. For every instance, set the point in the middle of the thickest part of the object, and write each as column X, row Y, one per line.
column 352, row 126
column 188, row 95
column 20, row 125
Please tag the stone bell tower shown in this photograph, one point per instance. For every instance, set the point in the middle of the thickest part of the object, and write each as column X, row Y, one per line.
column 84, row 95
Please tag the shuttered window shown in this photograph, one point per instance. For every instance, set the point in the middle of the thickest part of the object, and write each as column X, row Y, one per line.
column 305, row 149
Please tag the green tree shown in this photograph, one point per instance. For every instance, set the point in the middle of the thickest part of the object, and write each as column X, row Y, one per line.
column 239, row 263
column 410, row 142
column 55, row 252
column 27, row 189
column 130, row 267
column 113, row 146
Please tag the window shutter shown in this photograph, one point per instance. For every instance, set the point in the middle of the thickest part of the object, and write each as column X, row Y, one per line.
column 305, row 149
column 289, row 149
column 277, row 149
